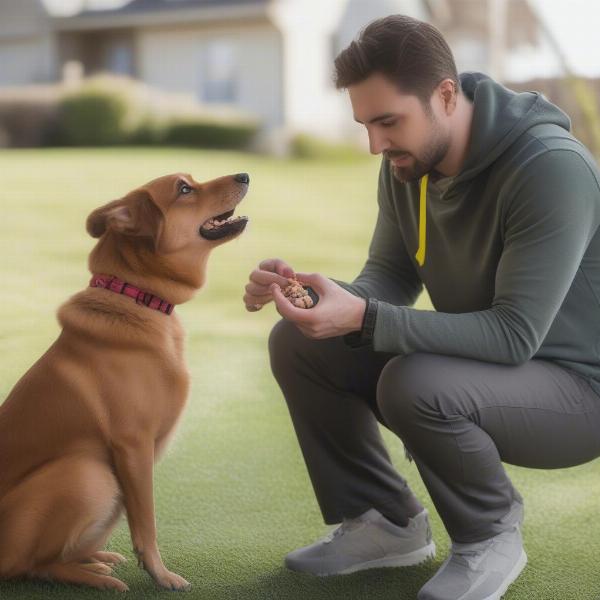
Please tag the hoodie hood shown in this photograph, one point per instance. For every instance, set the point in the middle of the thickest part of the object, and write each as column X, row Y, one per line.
column 500, row 116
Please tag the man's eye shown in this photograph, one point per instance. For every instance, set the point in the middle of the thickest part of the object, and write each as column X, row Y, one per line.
column 388, row 123
column 185, row 189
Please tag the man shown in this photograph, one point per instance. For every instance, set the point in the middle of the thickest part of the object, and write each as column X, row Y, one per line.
column 487, row 200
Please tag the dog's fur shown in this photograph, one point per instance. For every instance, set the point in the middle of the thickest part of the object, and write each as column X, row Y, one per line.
column 81, row 430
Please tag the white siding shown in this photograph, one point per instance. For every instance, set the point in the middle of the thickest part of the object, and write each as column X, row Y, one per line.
column 26, row 61
column 310, row 102
column 26, row 47
column 21, row 18
column 175, row 60
column 359, row 13
column 314, row 33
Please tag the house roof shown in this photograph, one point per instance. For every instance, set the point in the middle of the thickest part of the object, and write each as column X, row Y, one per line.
column 150, row 12
column 136, row 6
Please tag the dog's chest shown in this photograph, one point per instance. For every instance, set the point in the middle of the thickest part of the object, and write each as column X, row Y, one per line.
column 167, row 433
column 171, row 404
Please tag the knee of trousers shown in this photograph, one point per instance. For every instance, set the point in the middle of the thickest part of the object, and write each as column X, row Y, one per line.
column 408, row 392
column 286, row 344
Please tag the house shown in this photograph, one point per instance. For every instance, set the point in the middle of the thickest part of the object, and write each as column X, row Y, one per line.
column 26, row 43
column 492, row 36
column 270, row 58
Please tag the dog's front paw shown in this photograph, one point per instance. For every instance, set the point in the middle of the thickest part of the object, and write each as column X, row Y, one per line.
column 172, row 581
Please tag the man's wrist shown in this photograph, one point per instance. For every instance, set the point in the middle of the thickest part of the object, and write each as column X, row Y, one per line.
column 368, row 325
column 359, row 319
column 364, row 335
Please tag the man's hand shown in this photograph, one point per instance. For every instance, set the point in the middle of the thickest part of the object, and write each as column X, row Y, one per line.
column 338, row 311
column 271, row 270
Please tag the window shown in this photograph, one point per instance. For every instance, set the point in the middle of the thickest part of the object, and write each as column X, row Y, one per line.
column 219, row 83
column 120, row 58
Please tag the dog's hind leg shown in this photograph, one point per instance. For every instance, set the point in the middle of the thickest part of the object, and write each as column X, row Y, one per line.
column 102, row 562
column 78, row 574
column 58, row 517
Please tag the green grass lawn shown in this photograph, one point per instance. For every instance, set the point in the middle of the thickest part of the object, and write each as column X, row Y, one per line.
column 232, row 493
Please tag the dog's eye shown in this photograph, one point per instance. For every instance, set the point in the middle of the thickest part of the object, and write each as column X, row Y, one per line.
column 185, row 189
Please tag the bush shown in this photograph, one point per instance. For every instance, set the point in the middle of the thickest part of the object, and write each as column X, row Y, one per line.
column 147, row 133
column 27, row 120
column 92, row 117
column 109, row 110
column 210, row 134
column 307, row 146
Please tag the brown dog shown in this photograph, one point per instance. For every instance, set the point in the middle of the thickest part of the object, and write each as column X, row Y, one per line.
column 81, row 430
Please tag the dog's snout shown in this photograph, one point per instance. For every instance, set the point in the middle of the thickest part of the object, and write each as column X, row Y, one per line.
column 242, row 178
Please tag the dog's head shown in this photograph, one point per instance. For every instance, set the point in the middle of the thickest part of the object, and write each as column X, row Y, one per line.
column 170, row 224
column 176, row 212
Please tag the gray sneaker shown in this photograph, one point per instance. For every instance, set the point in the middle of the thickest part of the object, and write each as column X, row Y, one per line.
column 366, row 542
column 478, row 571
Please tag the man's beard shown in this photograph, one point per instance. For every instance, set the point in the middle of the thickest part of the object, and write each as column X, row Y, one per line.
column 432, row 154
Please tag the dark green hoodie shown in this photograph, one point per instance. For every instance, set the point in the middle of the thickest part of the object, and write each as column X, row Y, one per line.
column 512, row 253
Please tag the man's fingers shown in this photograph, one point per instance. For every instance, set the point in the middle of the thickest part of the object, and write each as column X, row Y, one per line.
column 253, row 307
column 270, row 271
column 282, row 303
column 250, row 299
column 266, row 278
column 286, row 271
column 268, row 264
column 253, row 289
column 315, row 280
column 276, row 265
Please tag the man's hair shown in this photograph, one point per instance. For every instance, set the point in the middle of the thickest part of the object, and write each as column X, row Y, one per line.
column 410, row 53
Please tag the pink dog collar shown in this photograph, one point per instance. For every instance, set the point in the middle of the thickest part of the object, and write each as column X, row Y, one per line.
column 109, row 282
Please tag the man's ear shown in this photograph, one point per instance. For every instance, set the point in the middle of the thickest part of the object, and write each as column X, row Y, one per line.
column 136, row 214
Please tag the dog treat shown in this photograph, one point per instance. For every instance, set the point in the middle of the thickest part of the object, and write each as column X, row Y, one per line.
column 298, row 295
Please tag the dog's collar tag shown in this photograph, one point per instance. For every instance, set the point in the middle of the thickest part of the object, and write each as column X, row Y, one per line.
column 109, row 282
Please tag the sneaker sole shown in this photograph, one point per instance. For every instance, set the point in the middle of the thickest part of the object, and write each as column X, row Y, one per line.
column 402, row 560
column 515, row 572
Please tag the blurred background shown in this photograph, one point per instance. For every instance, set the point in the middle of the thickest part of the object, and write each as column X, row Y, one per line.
column 256, row 74
column 98, row 97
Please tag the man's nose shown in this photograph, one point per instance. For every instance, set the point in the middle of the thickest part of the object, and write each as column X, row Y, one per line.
column 377, row 143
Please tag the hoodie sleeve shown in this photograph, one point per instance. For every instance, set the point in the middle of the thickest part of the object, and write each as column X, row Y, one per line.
column 551, row 214
column 389, row 273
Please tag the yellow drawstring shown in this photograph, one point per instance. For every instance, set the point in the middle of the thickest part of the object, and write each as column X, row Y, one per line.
column 420, row 255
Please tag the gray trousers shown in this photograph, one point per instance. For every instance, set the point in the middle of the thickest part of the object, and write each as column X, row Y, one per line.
column 458, row 418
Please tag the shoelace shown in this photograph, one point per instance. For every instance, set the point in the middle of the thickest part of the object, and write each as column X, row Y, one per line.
column 347, row 525
column 469, row 554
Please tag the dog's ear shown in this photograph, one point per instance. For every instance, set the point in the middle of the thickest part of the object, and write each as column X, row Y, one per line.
column 136, row 214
